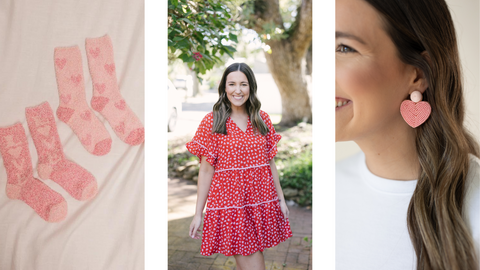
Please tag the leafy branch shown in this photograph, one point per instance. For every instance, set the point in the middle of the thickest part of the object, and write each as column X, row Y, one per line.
column 200, row 32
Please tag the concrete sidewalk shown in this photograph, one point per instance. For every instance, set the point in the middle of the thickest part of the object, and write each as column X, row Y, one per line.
column 184, row 252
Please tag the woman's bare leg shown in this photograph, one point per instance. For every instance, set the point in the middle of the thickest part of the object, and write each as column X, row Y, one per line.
column 253, row 261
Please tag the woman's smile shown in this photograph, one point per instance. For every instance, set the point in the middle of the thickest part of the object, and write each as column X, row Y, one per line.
column 238, row 97
column 341, row 102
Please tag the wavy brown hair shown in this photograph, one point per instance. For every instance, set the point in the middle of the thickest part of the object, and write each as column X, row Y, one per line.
column 223, row 108
column 438, row 232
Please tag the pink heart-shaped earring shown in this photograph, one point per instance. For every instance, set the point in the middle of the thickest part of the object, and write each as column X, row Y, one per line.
column 415, row 112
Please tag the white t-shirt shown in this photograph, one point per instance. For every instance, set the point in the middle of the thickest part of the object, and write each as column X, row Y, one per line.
column 371, row 217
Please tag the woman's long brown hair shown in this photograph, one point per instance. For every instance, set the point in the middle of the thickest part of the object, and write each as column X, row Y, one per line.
column 438, row 232
column 222, row 108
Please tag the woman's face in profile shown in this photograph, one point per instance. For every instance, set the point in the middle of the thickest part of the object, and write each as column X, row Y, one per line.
column 371, row 80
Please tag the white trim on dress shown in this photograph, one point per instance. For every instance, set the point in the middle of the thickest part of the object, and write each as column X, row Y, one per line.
column 256, row 204
column 204, row 147
column 274, row 144
column 256, row 166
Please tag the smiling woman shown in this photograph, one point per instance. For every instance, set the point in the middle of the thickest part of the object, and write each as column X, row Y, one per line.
column 413, row 193
column 236, row 144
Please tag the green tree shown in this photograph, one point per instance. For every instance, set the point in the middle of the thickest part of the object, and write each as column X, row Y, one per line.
column 200, row 32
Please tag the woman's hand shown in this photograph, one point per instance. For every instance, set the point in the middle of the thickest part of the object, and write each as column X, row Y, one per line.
column 278, row 188
column 284, row 208
column 195, row 231
column 205, row 175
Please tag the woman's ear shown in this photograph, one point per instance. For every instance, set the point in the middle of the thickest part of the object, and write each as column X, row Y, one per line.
column 419, row 80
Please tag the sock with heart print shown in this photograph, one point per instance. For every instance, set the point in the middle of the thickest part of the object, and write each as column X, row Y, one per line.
column 73, row 108
column 52, row 163
column 21, row 184
column 106, row 97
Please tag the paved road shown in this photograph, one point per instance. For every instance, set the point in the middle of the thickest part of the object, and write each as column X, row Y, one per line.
column 193, row 111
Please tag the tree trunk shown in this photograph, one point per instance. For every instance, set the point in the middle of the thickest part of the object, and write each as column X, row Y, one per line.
column 195, row 85
column 308, row 58
column 286, row 69
column 286, row 61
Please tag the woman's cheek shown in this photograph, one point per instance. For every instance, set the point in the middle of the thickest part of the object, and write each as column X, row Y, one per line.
column 364, row 82
column 356, row 78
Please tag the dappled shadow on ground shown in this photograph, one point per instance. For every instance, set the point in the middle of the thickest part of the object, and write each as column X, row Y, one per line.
column 294, row 253
column 184, row 252
column 182, row 195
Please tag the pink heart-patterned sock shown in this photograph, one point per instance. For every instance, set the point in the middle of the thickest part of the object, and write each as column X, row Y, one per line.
column 21, row 184
column 52, row 163
column 106, row 97
column 73, row 108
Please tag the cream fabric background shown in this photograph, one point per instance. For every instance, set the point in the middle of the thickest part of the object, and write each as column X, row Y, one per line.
column 465, row 15
column 108, row 231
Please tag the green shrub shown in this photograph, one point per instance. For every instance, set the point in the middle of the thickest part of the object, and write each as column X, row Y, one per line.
column 297, row 174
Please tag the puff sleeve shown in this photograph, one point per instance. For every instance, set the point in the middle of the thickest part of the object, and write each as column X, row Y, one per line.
column 272, row 137
column 204, row 143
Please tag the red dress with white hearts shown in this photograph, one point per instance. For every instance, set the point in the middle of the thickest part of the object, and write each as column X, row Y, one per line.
column 243, row 213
